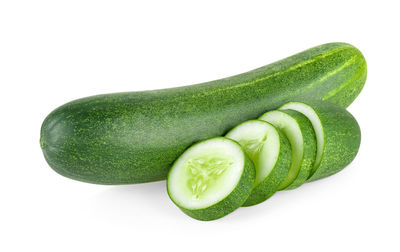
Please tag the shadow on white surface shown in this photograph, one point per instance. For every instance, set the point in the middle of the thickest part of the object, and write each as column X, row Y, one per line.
column 150, row 202
column 133, row 201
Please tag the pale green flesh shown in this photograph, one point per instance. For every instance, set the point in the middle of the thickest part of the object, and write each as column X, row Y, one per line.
column 310, row 113
column 292, row 130
column 260, row 141
column 206, row 173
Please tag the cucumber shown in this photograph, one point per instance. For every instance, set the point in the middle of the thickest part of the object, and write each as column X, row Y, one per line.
column 270, row 152
column 211, row 179
column 135, row 137
column 300, row 133
column 337, row 132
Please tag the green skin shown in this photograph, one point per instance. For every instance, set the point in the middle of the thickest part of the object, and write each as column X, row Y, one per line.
column 342, row 138
column 232, row 201
column 309, row 150
column 266, row 188
column 134, row 137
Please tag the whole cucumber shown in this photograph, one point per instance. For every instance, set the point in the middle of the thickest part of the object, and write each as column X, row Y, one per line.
column 134, row 137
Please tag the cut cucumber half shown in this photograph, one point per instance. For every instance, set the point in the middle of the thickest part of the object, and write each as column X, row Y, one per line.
column 270, row 152
column 338, row 136
column 300, row 133
column 211, row 179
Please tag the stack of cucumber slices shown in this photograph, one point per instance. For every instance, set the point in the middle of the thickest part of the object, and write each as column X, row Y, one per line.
column 281, row 150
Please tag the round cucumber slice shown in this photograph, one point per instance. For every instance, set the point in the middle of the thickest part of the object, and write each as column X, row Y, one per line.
column 338, row 136
column 270, row 152
column 211, row 179
column 300, row 133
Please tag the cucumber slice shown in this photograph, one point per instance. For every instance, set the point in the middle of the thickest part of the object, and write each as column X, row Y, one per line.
column 211, row 179
column 301, row 136
column 270, row 152
column 338, row 135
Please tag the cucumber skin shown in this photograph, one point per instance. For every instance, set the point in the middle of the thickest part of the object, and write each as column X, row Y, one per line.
column 231, row 202
column 309, row 149
column 271, row 183
column 342, row 138
column 134, row 137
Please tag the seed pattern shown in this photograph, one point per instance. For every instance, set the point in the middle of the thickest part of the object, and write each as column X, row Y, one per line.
column 253, row 146
column 203, row 172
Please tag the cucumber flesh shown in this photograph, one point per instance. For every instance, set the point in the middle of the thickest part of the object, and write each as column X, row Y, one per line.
column 261, row 142
column 270, row 152
column 205, row 174
column 301, row 136
column 211, row 179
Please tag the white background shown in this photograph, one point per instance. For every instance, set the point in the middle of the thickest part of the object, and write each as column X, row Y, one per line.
column 52, row 52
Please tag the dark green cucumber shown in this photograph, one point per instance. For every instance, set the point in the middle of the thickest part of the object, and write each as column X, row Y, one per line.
column 211, row 179
column 134, row 137
column 338, row 135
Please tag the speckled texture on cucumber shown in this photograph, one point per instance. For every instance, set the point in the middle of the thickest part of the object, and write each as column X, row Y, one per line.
column 134, row 137
column 271, row 183
column 342, row 137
